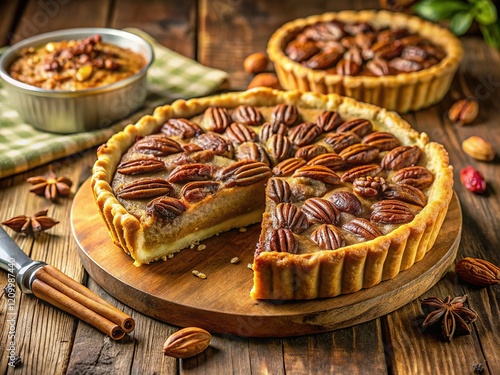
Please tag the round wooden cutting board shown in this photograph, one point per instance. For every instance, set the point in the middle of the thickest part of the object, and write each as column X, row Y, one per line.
column 168, row 290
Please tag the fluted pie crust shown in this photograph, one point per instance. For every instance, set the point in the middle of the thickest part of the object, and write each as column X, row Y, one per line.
column 279, row 275
column 402, row 92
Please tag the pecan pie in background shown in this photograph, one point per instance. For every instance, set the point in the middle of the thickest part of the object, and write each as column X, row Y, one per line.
column 396, row 61
column 348, row 193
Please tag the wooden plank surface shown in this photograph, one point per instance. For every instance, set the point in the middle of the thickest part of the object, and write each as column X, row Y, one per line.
column 10, row 11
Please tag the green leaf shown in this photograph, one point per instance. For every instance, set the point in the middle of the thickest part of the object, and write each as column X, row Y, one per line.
column 485, row 12
column 461, row 22
column 491, row 34
column 436, row 10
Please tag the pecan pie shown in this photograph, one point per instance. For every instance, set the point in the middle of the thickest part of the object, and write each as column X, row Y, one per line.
column 348, row 193
column 393, row 60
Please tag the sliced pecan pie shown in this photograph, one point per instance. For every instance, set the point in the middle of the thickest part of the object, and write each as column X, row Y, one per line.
column 348, row 193
column 393, row 60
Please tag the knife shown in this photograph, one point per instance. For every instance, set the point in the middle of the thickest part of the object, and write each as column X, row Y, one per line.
column 53, row 286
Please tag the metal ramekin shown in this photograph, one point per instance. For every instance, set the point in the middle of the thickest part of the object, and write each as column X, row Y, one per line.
column 65, row 111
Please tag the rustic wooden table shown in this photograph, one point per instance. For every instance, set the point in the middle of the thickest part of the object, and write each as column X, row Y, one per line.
column 220, row 34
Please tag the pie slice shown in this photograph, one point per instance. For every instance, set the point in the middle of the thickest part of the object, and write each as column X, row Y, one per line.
column 347, row 193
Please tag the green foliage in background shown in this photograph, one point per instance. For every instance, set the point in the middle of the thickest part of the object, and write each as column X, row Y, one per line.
column 461, row 14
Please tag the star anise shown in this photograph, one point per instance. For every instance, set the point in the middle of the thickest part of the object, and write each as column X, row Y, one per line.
column 50, row 185
column 451, row 313
column 31, row 225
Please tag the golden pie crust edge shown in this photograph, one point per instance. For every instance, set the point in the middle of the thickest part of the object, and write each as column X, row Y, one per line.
column 402, row 92
column 326, row 273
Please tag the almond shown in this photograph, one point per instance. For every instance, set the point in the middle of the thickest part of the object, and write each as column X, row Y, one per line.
column 187, row 342
column 265, row 80
column 479, row 149
column 478, row 272
column 256, row 63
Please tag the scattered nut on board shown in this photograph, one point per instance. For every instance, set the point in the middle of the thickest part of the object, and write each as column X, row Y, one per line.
column 479, row 149
column 265, row 80
column 187, row 342
column 256, row 63
column 463, row 111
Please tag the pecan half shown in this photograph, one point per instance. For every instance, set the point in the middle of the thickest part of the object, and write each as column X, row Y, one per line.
column 401, row 157
column 252, row 151
column 323, row 59
column 181, row 127
column 285, row 113
column 384, row 141
column 288, row 216
column 414, row 53
column 318, row 172
column 330, row 160
column 378, row 67
column 283, row 240
column 346, row 201
column 303, row 134
column 214, row 142
column 347, row 68
column 362, row 170
column 405, row 65
column 325, row 31
column 322, row 211
column 309, row 152
column 279, row 191
column 165, row 208
column 216, row 119
column 368, row 186
column 340, row 141
column 248, row 115
column 359, row 126
column 362, row 228
column 140, row 165
column 300, row 51
column 198, row 190
column 158, row 145
column 244, row 173
column 419, row 177
column 359, row 153
column 405, row 193
column 268, row 129
column 239, row 133
column 145, row 188
column 201, row 156
column 391, row 211
column 191, row 172
column 288, row 166
column 328, row 237
column 279, row 147
column 328, row 121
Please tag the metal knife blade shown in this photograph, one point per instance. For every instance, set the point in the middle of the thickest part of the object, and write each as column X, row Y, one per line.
column 16, row 262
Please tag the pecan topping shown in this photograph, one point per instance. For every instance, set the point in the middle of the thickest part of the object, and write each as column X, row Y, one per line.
column 414, row 53
column 181, row 127
column 328, row 237
column 285, row 113
column 145, row 188
column 244, row 173
column 191, row 147
column 318, row 172
column 247, row 115
column 346, row 201
column 288, row 166
column 322, row 211
column 215, row 143
column 252, row 151
column 31, row 225
column 325, row 31
column 362, row 228
column 405, row 193
column 303, row 134
column 198, row 190
column 279, row 191
column 191, row 172
column 301, row 51
column 267, row 130
column 324, row 59
column 401, row 157
column 288, row 216
column 405, row 65
column 359, row 153
column 239, row 133
column 368, row 186
column 328, row 121
column 202, row 156
column 362, row 170
column 384, row 141
column 378, row 67
column 140, row 165
column 340, row 141
column 283, row 240
column 358, row 125
column 416, row 176
column 391, row 211
column 309, row 152
column 216, row 119
column 158, row 145
column 279, row 147
column 330, row 160
column 347, row 67
column 165, row 208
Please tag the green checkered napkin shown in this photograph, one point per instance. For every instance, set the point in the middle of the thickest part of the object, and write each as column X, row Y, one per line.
column 171, row 76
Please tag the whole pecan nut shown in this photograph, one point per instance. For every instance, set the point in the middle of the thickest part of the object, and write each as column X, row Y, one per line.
column 463, row 111
column 145, row 188
column 478, row 272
